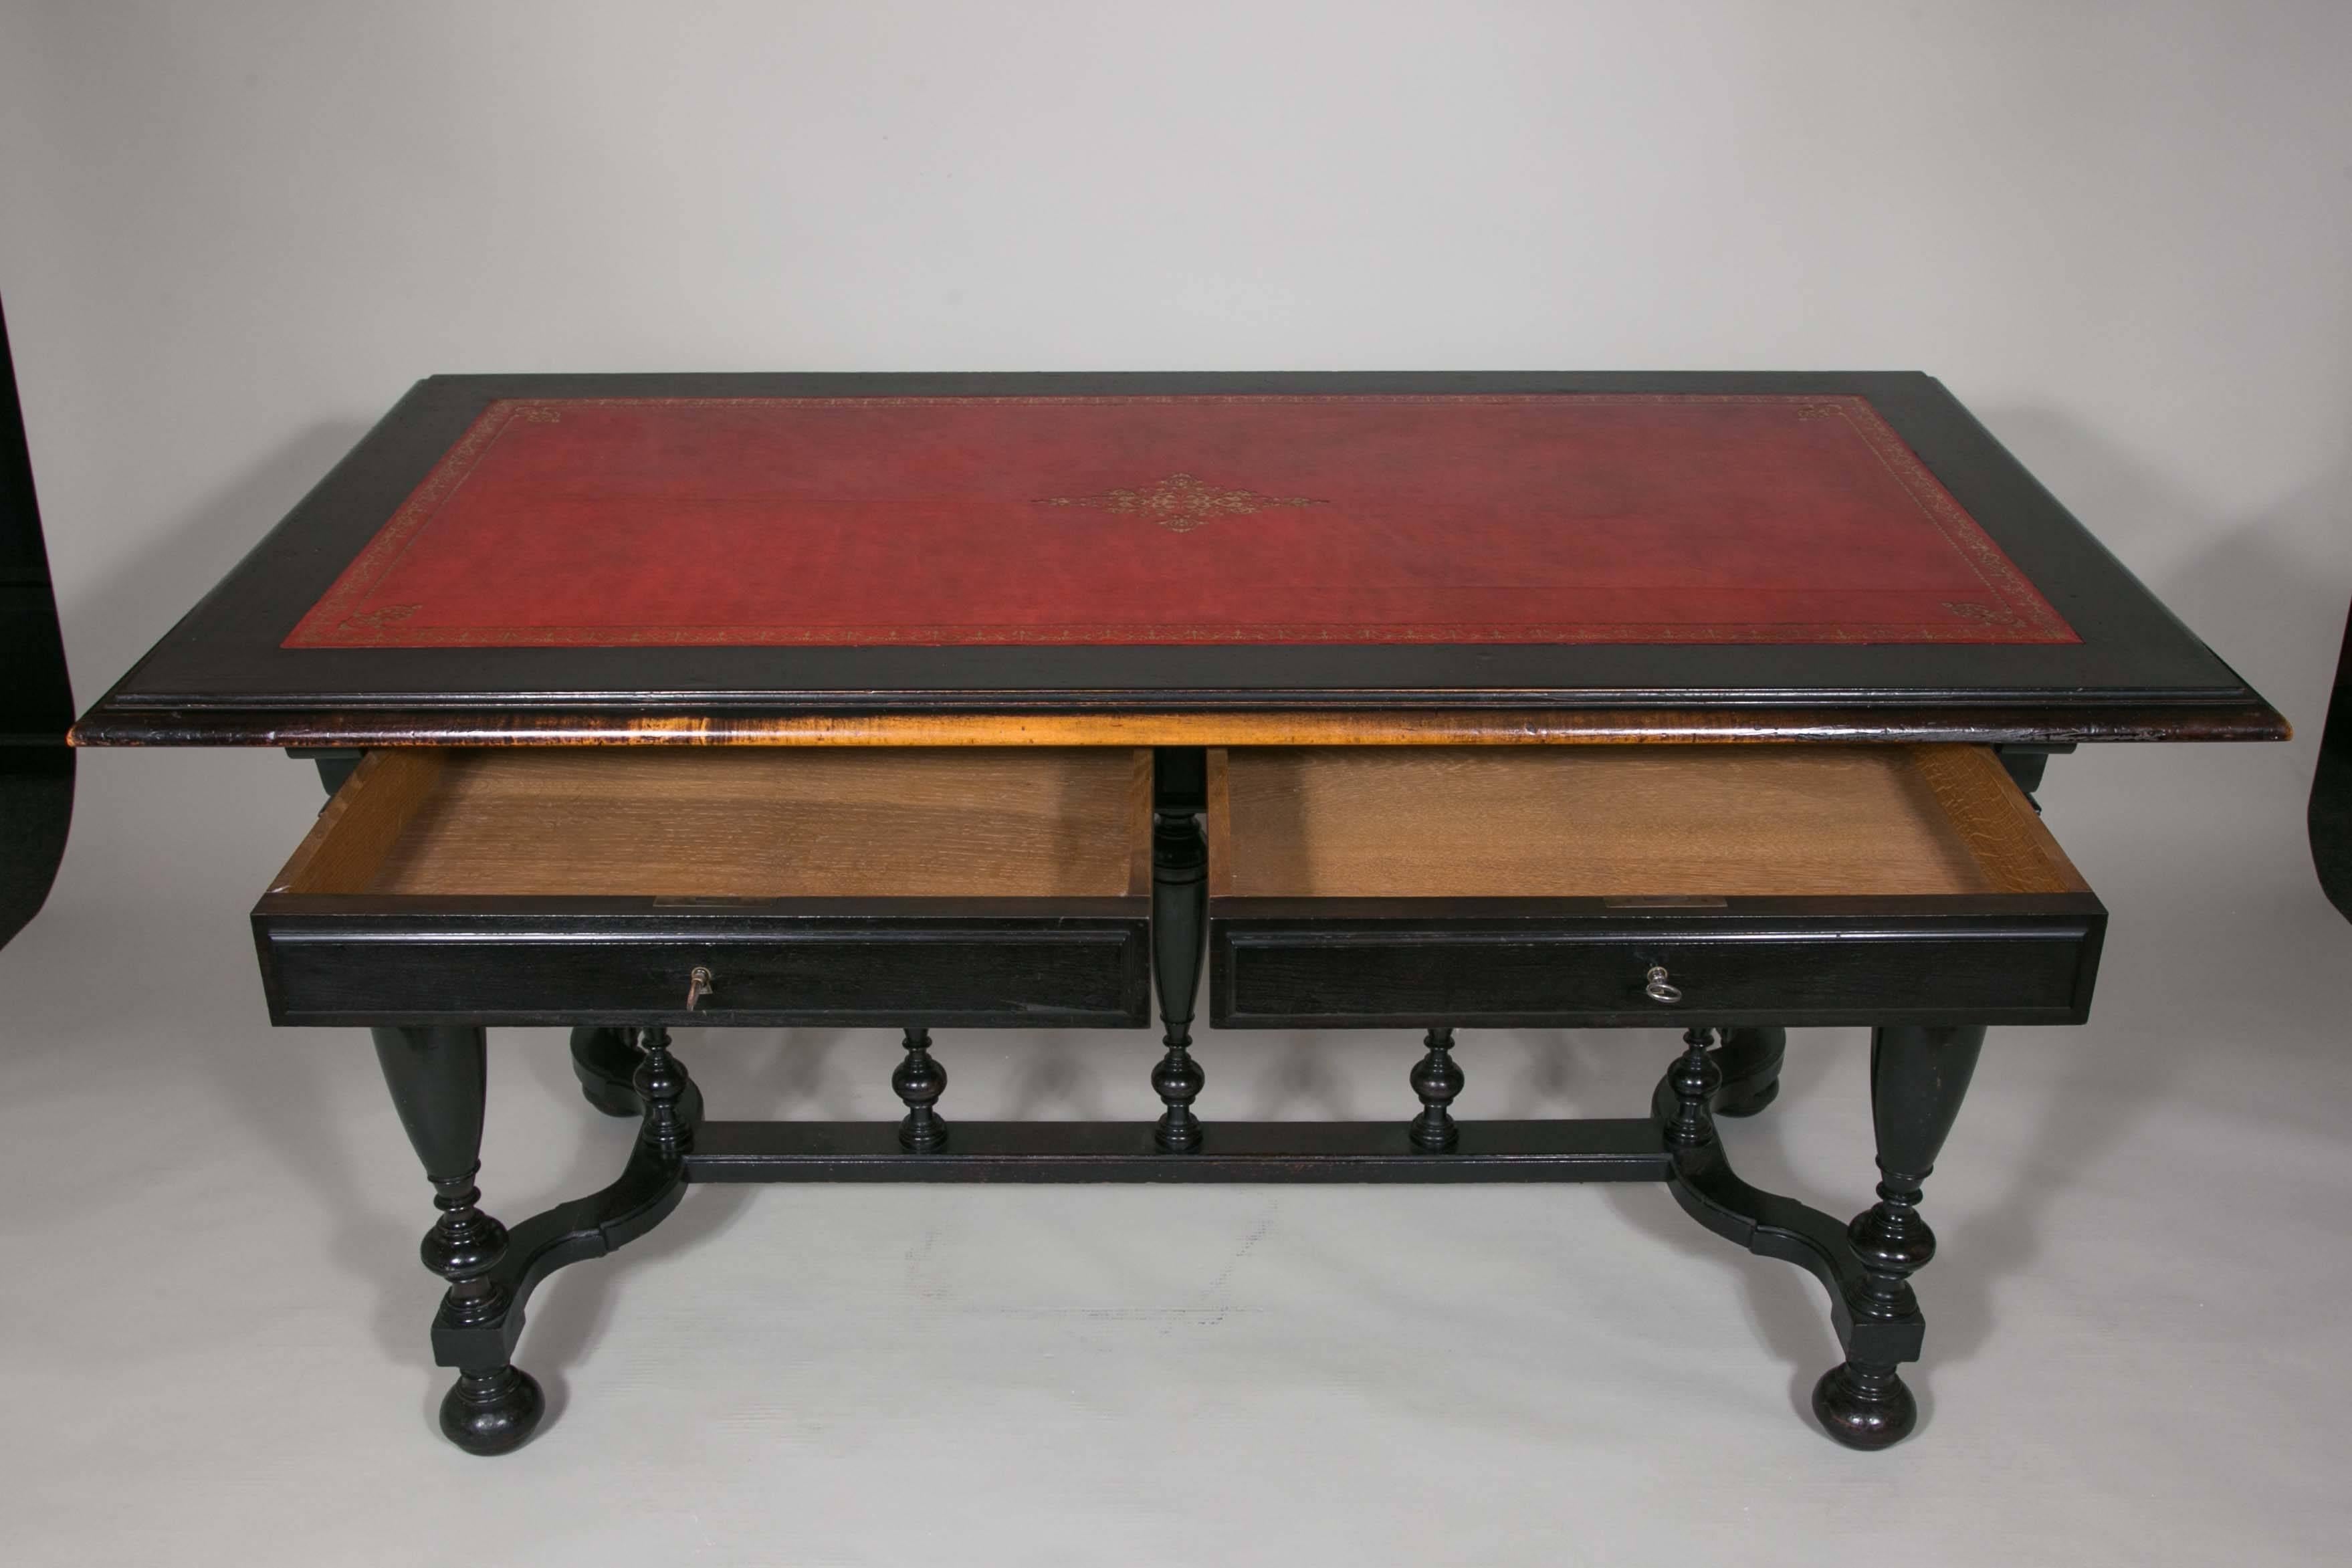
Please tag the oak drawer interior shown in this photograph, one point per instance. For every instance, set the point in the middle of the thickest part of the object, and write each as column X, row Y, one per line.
column 1624, row 822
column 735, row 823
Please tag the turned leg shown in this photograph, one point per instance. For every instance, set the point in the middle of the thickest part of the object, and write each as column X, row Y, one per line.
column 920, row 1082
column 1180, row 935
column 604, row 1060
column 1438, row 1081
column 1750, row 1060
column 435, row 1075
column 1917, row 1077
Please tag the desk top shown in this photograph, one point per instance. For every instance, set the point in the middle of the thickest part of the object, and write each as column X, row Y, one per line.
column 1176, row 559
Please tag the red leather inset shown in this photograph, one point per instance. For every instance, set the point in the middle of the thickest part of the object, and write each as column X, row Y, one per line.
column 958, row 521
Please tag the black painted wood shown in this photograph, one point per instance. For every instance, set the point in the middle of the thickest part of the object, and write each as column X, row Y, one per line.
column 919, row 1080
column 661, row 1084
column 1008, row 963
column 1917, row 1079
column 1693, row 1080
column 2028, row 765
column 334, row 762
column 1771, row 1226
column 2330, row 816
column 1751, row 1060
column 646, row 1193
column 221, row 677
column 1180, row 905
column 605, row 1062
column 36, row 771
column 437, row 1082
column 36, row 792
column 1918, row 1076
column 1579, row 963
column 1603, row 1149
column 1438, row 1081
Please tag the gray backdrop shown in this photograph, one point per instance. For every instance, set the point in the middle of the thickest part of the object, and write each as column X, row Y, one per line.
column 231, row 234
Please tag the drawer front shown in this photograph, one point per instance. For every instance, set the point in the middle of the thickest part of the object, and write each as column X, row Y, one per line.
column 1043, row 973
column 1629, row 886
column 587, row 886
column 1339, row 973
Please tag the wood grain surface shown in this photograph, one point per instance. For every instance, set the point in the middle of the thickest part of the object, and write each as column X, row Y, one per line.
column 1616, row 821
column 736, row 825
column 348, row 843
column 1992, row 816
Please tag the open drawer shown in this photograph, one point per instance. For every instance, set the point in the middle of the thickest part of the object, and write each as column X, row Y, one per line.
column 1638, row 884
column 589, row 885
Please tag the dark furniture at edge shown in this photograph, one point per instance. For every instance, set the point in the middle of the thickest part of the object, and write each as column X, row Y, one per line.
column 36, row 769
column 2329, row 818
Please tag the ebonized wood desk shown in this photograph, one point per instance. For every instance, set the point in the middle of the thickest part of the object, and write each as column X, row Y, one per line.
column 1422, row 702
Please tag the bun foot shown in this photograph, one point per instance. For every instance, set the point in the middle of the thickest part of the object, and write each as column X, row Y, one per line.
column 604, row 1060
column 1866, row 1407
column 492, row 1411
column 1751, row 1060
column 1747, row 1101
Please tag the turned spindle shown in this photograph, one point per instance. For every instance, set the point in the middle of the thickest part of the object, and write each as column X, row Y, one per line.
column 1693, row 1078
column 919, row 1080
column 1438, row 1081
column 660, row 1081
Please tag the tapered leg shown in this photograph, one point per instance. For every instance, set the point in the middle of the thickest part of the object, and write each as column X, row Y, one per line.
column 436, row 1079
column 604, row 1060
column 1750, row 1060
column 1180, row 935
column 1917, row 1079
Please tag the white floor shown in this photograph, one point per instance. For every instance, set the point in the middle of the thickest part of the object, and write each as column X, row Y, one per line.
column 216, row 1349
